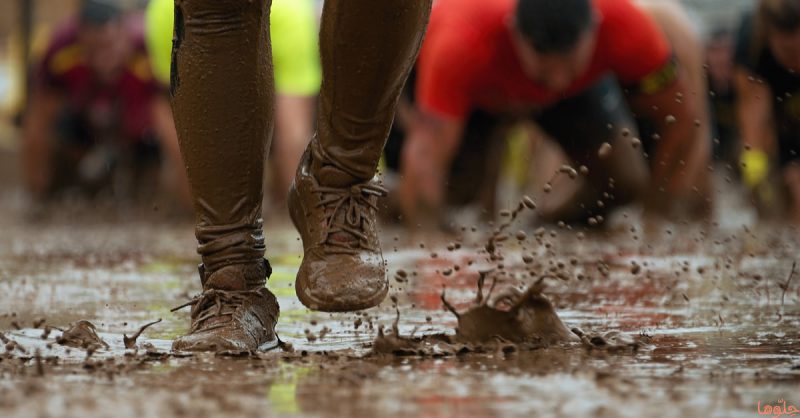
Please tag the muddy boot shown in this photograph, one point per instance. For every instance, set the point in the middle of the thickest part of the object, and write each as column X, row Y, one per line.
column 233, row 313
column 343, row 268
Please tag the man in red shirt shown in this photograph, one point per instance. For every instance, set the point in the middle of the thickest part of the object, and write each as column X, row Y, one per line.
column 581, row 69
column 95, row 106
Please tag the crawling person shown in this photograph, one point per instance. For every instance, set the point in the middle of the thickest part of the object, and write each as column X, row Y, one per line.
column 223, row 100
column 767, row 81
column 97, row 119
column 619, row 86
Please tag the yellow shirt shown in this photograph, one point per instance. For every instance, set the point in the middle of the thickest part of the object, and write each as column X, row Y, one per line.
column 294, row 32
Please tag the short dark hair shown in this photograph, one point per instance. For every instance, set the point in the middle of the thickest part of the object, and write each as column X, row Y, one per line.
column 553, row 25
column 99, row 12
column 781, row 15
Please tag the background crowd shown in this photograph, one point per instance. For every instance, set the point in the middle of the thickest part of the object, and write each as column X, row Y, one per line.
column 650, row 108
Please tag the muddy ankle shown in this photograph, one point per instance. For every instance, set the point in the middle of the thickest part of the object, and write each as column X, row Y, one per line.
column 237, row 276
column 326, row 173
column 331, row 176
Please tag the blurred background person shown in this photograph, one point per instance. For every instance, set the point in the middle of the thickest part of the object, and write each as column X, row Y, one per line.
column 96, row 119
column 581, row 69
column 767, row 80
column 295, row 56
column 720, row 48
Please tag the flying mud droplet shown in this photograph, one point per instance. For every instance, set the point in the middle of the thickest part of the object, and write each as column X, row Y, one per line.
column 605, row 150
column 130, row 342
column 529, row 203
column 569, row 171
column 670, row 119
column 636, row 143
column 636, row 269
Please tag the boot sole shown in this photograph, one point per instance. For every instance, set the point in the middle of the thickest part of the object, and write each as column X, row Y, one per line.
column 295, row 213
column 270, row 345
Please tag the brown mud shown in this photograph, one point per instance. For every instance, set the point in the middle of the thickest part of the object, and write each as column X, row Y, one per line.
column 678, row 320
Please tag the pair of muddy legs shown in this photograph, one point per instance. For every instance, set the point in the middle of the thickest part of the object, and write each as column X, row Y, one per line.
column 222, row 98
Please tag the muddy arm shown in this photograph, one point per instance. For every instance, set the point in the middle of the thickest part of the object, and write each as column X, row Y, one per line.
column 674, row 121
column 37, row 141
column 754, row 111
column 430, row 147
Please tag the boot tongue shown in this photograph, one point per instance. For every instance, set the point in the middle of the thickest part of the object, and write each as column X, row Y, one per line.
column 230, row 278
column 330, row 176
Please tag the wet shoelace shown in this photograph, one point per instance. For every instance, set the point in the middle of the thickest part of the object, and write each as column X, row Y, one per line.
column 215, row 303
column 356, row 203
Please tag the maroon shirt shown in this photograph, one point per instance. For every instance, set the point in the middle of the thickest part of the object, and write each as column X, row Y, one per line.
column 123, row 105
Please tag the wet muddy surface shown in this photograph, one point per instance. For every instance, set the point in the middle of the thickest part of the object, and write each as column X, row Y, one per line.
column 661, row 319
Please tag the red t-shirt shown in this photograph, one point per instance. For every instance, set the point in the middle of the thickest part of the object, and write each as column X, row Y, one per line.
column 125, row 103
column 468, row 60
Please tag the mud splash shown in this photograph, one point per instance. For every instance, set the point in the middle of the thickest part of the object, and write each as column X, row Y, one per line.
column 512, row 319
column 512, row 315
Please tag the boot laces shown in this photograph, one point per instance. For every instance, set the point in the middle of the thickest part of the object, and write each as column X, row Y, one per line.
column 347, row 211
column 214, row 303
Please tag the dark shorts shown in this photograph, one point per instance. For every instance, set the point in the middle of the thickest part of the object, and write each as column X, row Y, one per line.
column 581, row 124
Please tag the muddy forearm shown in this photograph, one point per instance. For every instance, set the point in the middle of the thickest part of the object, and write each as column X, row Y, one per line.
column 676, row 121
column 37, row 142
column 427, row 156
column 754, row 112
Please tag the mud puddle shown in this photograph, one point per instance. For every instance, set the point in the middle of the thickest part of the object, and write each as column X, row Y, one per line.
column 721, row 328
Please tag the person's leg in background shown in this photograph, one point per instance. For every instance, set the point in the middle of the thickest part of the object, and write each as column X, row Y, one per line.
column 473, row 176
column 294, row 127
column 604, row 117
column 222, row 97
column 789, row 168
column 368, row 48
column 294, row 31
column 475, row 172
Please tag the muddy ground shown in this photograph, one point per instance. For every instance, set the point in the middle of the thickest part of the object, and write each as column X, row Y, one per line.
column 714, row 305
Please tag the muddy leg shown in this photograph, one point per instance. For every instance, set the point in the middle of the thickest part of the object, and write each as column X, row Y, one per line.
column 368, row 48
column 791, row 177
column 624, row 167
column 222, row 97
column 604, row 117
